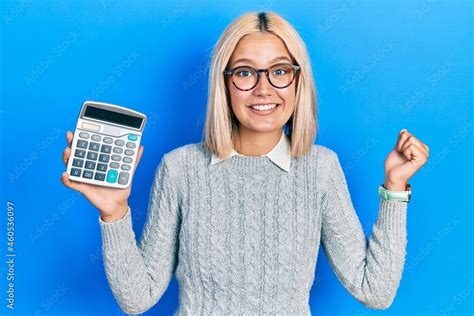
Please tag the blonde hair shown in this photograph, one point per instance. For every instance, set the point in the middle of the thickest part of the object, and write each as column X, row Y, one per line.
column 221, row 124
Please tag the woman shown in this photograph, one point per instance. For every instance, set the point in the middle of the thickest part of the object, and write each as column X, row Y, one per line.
column 239, row 217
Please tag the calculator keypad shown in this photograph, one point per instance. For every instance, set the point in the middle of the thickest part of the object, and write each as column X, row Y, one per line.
column 103, row 159
column 81, row 143
column 78, row 162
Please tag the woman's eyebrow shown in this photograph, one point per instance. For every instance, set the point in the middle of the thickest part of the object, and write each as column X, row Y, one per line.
column 249, row 61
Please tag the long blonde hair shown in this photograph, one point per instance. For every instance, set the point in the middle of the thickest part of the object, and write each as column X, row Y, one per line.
column 221, row 124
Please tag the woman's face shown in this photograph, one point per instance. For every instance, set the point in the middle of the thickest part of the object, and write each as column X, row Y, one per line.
column 261, row 51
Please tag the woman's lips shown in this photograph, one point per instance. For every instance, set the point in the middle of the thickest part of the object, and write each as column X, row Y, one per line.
column 263, row 112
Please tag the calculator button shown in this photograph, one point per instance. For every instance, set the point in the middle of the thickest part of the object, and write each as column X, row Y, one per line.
column 116, row 157
column 119, row 142
column 131, row 145
column 127, row 159
column 94, row 146
column 99, row 176
column 108, row 140
column 76, row 172
column 104, row 158
column 112, row 176
column 106, row 149
column 87, row 174
column 132, row 137
column 92, row 155
column 118, row 150
column 123, row 178
column 102, row 167
column 114, row 165
column 81, row 143
column 84, row 135
column 126, row 167
column 129, row 152
column 97, row 138
column 80, row 153
column 78, row 163
column 90, row 165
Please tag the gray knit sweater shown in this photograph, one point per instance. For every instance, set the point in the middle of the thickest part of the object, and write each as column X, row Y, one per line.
column 243, row 237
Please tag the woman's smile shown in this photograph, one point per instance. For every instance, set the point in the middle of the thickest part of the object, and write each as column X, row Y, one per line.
column 263, row 108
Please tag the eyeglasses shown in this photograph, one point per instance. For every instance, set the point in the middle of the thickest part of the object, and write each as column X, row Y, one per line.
column 246, row 78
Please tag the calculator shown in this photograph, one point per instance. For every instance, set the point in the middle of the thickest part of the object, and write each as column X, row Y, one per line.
column 105, row 145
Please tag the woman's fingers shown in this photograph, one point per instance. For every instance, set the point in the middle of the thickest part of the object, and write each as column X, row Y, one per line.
column 415, row 154
column 67, row 151
column 71, row 184
column 66, row 155
column 410, row 139
column 139, row 156
column 69, row 136
column 405, row 138
column 402, row 137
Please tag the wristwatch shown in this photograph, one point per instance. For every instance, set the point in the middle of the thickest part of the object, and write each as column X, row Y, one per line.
column 388, row 195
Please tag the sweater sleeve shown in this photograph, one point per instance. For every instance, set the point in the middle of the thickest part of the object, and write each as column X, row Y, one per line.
column 370, row 270
column 139, row 274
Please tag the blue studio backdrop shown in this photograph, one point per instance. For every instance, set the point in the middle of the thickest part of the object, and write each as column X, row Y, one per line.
column 379, row 67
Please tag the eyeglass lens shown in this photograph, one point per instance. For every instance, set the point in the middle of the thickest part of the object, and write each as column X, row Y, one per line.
column 279, row 75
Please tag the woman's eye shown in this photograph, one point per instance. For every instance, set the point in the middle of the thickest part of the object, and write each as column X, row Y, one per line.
column 244, row 73
column 279, row 72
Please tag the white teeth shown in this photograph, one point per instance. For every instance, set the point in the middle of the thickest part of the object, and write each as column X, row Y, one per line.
column 265, row 107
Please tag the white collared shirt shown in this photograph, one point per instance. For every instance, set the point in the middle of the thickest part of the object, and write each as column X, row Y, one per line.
column 279, row 155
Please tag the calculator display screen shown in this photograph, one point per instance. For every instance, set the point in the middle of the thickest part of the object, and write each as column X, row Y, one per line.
column 113, row 117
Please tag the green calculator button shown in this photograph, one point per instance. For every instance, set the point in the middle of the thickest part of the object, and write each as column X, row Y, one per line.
column 132, row 137
column 112, row 176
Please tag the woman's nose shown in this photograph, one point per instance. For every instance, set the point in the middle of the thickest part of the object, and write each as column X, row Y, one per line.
column 263, row 86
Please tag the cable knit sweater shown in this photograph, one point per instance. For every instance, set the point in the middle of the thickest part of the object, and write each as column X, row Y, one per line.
column 243, row 237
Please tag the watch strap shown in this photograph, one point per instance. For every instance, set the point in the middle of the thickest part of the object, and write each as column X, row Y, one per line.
column 389, row 195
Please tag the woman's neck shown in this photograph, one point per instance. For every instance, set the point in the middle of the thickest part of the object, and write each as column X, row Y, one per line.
column 250, row 143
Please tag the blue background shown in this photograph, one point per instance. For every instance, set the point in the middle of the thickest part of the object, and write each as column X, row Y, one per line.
column 379, row 67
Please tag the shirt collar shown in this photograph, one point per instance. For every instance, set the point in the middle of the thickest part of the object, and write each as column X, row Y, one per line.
column 279, row 155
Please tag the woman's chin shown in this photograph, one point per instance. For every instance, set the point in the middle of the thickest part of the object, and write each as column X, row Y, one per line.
column 263, row 129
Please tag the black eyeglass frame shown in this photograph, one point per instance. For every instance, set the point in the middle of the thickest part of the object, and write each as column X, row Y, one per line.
column 296, row 68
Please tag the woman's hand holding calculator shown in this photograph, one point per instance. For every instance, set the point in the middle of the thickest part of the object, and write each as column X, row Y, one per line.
column 112, row 203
